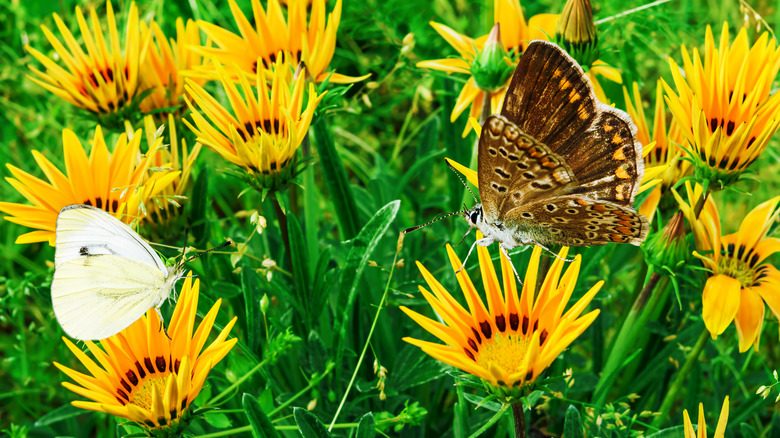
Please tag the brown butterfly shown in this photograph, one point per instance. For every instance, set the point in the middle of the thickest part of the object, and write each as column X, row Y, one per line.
column 557, row 167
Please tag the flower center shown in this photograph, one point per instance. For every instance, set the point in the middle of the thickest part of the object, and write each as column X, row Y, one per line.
column 505, row 351
column 142, row 396
column 736, row 268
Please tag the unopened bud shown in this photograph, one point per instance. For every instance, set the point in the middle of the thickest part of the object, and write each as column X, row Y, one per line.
column 491, row 68
column 576, row 32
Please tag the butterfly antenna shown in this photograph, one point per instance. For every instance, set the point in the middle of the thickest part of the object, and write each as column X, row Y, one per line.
column 186, row 236
column 435, row 219
column 228, row 242
column 461, row 180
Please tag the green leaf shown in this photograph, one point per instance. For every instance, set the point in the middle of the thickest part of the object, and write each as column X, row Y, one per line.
column 300, row 265
column 261, row 425
column 774, row 432
column 361, row 248
column 61, row 413
column 572, row 427
column 747, row 431
column 309, row 425
column 336, row 179
column 252, row 295
column 198, row 205
column 366, row 427
column 672, row 432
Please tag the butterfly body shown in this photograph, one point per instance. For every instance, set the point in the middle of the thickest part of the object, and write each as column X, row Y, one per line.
column 106, row 276
column 557, row 167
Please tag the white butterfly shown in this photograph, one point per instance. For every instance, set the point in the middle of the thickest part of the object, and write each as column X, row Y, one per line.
column 105, row 275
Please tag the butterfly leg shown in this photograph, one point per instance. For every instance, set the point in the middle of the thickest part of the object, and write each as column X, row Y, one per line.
column 553, row 254
column 162, row 321
column 485, row 241
column 506, row 254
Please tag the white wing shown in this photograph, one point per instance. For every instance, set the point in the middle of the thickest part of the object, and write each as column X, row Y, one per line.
column 95, row 297
column 83, row 230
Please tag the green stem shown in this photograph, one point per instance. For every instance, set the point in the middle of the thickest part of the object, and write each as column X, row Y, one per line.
column 310, row 202
column 242, row 429
column 492, row 421
column 519, row 416
column 681, row 377
column 282, row 219
column 365, row 346
column 312, row 383
column 541, row 274
column 235, row 384
column 632, row 327
column 336, row 180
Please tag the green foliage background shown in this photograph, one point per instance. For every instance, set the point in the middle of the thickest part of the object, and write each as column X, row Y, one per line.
column 392, row 132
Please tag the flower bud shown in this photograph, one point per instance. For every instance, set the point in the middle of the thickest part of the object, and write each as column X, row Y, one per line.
column 576, row 32
column 490, row 68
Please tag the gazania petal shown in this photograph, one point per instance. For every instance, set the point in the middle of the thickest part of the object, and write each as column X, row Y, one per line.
column 720, row 302
column 749, row 319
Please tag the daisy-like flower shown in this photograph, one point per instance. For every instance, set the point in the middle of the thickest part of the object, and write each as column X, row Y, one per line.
column 266, row 127
column 311, row 43
column 164, row 63
column 662, row 145
column 739, row 284
column 723, row 105
column 509, row 342
column 149, row 376
column 104, row 79
column 170, row 168
column 701, row 428
column 111, row 181
column 516, row 34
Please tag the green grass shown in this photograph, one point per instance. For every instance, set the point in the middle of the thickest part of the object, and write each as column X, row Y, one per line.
column 312, row 334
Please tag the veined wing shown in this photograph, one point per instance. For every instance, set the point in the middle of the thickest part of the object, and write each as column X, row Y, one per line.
column 83, row 230
column 95, row 297
column 515, row 168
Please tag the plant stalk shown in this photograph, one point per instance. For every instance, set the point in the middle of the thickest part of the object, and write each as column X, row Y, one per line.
column 681, row 377
column 519, row 417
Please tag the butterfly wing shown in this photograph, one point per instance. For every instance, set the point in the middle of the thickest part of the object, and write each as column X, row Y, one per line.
column 515, row 169
column 97, row 296
column 83, row 230
column 573, row 220
column 551, row 99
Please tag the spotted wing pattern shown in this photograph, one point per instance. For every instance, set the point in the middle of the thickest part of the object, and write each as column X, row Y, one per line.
column 573, row 220
column 551, row 99
column 515, row 169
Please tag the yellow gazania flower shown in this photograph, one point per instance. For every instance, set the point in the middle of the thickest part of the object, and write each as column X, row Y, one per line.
column 723, row 105
column 103, row 80
column 739, row 285
column 515, row 36
column 313, row 43
column 720, row 429
column 515, row 32
column 170, row 168
column 512, row 340
column 265, row 129
column 112, row 181
column 662, row 145
column 164, row 63
column 149, row 376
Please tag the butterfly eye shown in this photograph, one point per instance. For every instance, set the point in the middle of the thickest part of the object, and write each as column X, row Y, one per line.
column 474, row 217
